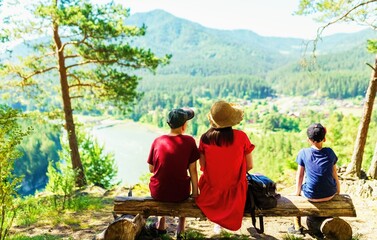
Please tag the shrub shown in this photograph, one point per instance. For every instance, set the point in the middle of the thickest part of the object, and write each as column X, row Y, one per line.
column 10, row 137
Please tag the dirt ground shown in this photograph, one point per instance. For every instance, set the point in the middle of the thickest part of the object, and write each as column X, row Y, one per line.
column 364, row 225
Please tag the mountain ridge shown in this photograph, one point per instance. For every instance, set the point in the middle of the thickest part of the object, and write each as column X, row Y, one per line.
column 190, row 43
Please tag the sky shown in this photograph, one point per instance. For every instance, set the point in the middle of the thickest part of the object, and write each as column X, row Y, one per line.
column 264, row 17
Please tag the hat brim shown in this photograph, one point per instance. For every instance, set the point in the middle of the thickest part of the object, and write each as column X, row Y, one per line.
column 235, row 116
column 190, row 113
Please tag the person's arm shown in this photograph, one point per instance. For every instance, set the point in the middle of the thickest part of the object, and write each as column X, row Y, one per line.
column 202, row 161
column 194, row 179
column 299, row 179
column 335, row 175
column 151, row 168
column 249, row 161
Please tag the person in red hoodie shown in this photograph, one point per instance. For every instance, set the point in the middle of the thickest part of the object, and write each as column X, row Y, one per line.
column 225, row 156
column 170, row 157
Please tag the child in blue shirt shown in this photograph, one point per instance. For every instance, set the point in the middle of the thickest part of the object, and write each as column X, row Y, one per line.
column 318, row 165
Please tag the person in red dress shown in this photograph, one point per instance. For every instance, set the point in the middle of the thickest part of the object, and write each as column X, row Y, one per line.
column 170, row 157
column 225, row 156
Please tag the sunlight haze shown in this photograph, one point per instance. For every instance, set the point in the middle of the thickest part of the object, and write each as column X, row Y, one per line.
column 266, row 18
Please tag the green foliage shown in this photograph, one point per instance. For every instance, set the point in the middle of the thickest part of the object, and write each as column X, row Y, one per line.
column 338, row 11
column 99, row 167
column 333, row 76
column 61, row 184
column 38, row 148
column 291, row 237
column 41, row 208
column 87, row 52
column 96, row 49
column 229, row 236
column 278, row 135
column 264, row 67
column 195, row 234
column 361, row 12
column 276, row 121
column 275, row 154
column 39, row 237
column 372, row 45
column 11, row 135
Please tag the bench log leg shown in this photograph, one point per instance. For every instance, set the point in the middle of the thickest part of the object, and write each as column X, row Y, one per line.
column 125, row 227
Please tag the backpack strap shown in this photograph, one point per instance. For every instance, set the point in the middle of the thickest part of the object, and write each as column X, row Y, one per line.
column 253, row 220
column 252, row 212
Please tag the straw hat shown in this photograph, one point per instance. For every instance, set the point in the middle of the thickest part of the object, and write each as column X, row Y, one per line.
column 223, row 114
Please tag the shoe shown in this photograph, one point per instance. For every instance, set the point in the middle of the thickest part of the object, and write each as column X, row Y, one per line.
column 154, row 231
column 217, row 229
column 293, row 231
column 336, row 228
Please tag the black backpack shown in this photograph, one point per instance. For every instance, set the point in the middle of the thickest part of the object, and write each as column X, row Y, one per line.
column 261, row 194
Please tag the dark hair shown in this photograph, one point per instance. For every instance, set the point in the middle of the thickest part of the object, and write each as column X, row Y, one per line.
column 316, row 132
column 218, row 136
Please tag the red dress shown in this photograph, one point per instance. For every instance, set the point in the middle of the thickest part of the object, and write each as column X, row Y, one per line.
column 223, row 184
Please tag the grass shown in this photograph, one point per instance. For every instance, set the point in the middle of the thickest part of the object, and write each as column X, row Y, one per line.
column 47, row 212
column 194, row 234
column 36, row 210
column 291, row 237
column 40, row 237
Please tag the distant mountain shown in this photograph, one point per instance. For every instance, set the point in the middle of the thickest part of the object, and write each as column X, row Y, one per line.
column 210, row 57
column 201, row 51
column 198, row 50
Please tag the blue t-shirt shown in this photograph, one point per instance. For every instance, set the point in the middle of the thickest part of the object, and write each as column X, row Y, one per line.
column 319, row 181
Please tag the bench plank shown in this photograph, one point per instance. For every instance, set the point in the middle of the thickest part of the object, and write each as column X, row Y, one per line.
column 290, row 205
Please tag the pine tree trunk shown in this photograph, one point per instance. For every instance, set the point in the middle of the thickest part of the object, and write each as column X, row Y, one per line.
column 372, row 172
column 68, row 113
column 354, row 168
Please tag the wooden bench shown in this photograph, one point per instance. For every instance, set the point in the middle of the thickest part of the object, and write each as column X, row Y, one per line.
column 288, row 206
column 128, row 226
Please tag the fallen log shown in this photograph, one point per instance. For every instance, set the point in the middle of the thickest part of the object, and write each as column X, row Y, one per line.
column 125, row 227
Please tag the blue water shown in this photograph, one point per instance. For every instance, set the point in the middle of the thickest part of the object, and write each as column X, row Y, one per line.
column 130, row 142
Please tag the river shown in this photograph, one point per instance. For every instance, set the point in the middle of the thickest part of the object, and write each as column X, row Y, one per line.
column 130, row 142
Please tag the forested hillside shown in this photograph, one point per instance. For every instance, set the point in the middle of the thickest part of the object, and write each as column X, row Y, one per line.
column 210, row 63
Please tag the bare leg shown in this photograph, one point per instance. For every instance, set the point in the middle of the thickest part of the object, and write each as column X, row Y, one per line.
column 297, row 227
column 181, row 225
column 297, row 223
column 161, row 223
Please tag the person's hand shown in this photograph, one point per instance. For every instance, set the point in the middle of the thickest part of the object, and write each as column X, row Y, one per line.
column 194, row 195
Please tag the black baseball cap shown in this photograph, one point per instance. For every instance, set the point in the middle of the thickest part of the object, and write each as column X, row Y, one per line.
column 316, row 132
column 177, row 117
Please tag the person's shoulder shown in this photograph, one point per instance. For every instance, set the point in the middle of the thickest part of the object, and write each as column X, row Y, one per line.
column 239, row 132
column 305, row 150
column 328, row 150
column 160, row 138
column 188, row 137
